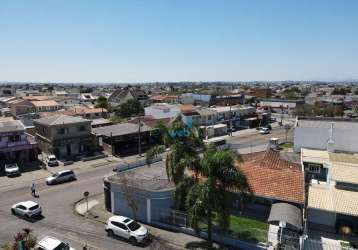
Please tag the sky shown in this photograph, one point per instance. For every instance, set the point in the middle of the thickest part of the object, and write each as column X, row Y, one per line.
column 178, row 40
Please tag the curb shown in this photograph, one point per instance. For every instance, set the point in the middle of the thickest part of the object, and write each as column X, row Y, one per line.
column 159, row 239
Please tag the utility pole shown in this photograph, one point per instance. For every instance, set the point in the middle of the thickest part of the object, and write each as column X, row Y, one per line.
column 139, row 139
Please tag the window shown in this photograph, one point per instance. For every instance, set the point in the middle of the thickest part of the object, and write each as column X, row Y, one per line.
column 34, row 207
column 62, row 131
column 21, row 207
column 133, row 226
column 14, row 138
column 120, row 225
column 314, row 168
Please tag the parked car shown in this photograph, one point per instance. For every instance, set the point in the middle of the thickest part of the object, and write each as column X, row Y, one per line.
column 27, row 209
column 12, row 169
column 264, row 131
column 50, row 243
column 60, row 177
column 52, row 160
column 126, row 228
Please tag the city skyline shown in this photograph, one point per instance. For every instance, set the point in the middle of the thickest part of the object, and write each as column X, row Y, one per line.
column 142, row 41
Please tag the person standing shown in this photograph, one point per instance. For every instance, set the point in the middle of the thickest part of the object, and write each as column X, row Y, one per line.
column 33, row 189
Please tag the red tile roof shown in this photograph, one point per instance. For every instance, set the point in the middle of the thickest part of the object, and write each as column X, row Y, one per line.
column 269, row 176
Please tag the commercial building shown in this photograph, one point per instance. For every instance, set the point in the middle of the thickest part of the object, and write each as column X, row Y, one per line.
column 123, row 138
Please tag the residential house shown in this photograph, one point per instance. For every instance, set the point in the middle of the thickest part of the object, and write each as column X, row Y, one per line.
column 45, row 106
column 332, row 134
column 172, row 99
column 162, row 110
column 121, row 96
column 100, row 122
column 4, row 101
column 65, row 136
column 332, row 191
column 87, row 113
column 20, row 107
column 15, row 144
column 271, row 178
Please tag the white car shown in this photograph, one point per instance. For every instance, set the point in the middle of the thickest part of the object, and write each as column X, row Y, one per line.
column 27, row 209
column 12, row 169
column 62, row 176
column 264, row 131
column 126, row 228
column 52, row 161
column 50, row 243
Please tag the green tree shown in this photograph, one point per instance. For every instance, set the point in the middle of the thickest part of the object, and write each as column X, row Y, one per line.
column 25, row 240
column 339, row 91
column 102, row 102
column 130, row 108
column 210, row 197
column 184, row 143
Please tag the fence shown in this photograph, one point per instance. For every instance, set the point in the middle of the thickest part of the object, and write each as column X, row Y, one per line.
column 126, row 166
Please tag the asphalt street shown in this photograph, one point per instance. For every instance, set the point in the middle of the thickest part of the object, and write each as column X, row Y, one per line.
column 59, row 219
column 257, row 139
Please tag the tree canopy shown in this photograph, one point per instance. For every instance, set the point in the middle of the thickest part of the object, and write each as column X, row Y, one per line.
column 130, row 108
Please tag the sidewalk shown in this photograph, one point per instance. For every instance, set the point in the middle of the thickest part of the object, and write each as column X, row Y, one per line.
column 97, row 212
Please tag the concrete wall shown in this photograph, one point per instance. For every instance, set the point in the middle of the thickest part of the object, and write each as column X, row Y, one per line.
column 151, row 204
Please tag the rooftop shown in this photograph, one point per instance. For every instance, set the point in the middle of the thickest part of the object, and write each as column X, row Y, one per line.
column 331, row 199
column 153, row 177
column 60, row 119
column 120, row 129
column 270, row 176
column 11, row 126
column 44, row 103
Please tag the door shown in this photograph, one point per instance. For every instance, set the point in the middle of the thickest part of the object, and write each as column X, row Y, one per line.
column 68, row 149
column 61, row 177
column 20, row 210
column 120, row 229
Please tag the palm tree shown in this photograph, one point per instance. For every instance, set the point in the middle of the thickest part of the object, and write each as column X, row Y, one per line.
column 210, row 196
column 184, row 143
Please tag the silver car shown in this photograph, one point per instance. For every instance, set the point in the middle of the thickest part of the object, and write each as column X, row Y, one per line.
column 12, row 169
column 27, row 209
column 60, row 177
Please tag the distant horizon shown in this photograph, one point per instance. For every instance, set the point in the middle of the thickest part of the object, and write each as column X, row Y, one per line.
column 168, row 41
column 153, row 82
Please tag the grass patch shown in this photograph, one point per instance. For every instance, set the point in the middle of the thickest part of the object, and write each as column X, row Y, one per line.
column 245, row 229
column 286, row 146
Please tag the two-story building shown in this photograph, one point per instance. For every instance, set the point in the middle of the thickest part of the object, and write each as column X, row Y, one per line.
column 15, row 144
column 65, row 136
column 332, row 180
